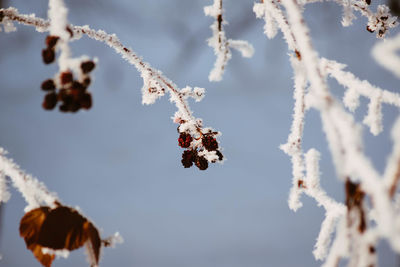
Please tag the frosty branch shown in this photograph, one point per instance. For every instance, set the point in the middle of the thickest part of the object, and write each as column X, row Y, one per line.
column 343, row 136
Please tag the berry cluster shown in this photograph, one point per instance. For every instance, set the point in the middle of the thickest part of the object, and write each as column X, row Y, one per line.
column 71, row 92
column 200, row 150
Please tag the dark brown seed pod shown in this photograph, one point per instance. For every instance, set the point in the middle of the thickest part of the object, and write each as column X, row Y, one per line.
column 48, row 55
column 50, row 101
column 66, row 77
column 51, row 41
column 209, row 143
column 48, row 85
column 188, row 157
column 201, row 163
column 184, row 140
column 86, row 101
column 87, row 66
column 78, row 86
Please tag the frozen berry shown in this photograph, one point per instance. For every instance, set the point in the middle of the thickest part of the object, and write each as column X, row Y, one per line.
column 368, row 2
column 48, row 55
column 184, row 140
column 209, row 142
column 201, row 163
column 188, row 157
column 51, row 41
column 86, row 101
column 87, row 66
column 50, row 101
column 66, row 77
column 48, row 85
column 1, row 15
column 78, row 86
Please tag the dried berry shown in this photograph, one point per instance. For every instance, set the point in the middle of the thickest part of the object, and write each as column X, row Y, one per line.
column 86, row 101
column 184, row 140
column 87, row 66
column 201, row 163
column 51, row 41
column 209, row 142
column 48, row 55
column 78, row 86
column 66, row 77
column 50, row 101
column 48, row 85
column 188, row 157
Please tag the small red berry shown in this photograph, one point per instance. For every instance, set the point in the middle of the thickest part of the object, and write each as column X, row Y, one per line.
column 86, row 101
column 87, row 66
column 209, row 143
column 48, row 55
column 66, row 77
column 188, row 157
column 201, row 163
column 184, row 140
column 51, row 41
column 50, row 101
column 48, row 85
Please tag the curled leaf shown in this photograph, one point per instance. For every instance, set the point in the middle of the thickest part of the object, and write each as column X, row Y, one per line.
column 61, row 228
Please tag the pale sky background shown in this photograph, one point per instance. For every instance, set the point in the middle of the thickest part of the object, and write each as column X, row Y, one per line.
column 120, row 162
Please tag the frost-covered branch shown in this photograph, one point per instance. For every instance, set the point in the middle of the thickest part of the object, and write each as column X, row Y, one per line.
column 386, row 54
column 34, row 192
column 356, row 88
column 155, row 85
column 343, row 136
column 221, row 44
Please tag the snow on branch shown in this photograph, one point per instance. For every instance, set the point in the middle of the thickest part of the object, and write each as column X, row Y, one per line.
column 155, row 85
column 355, row 88
column 221, row 44
column 386, row 54
column 392, row 170
column 34, row 192
column 344, row 139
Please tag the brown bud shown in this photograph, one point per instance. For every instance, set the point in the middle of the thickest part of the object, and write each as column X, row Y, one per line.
column 48, row 55
column 87, row 66
column 50, row 101
column 66, row 77
column 48, row 85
